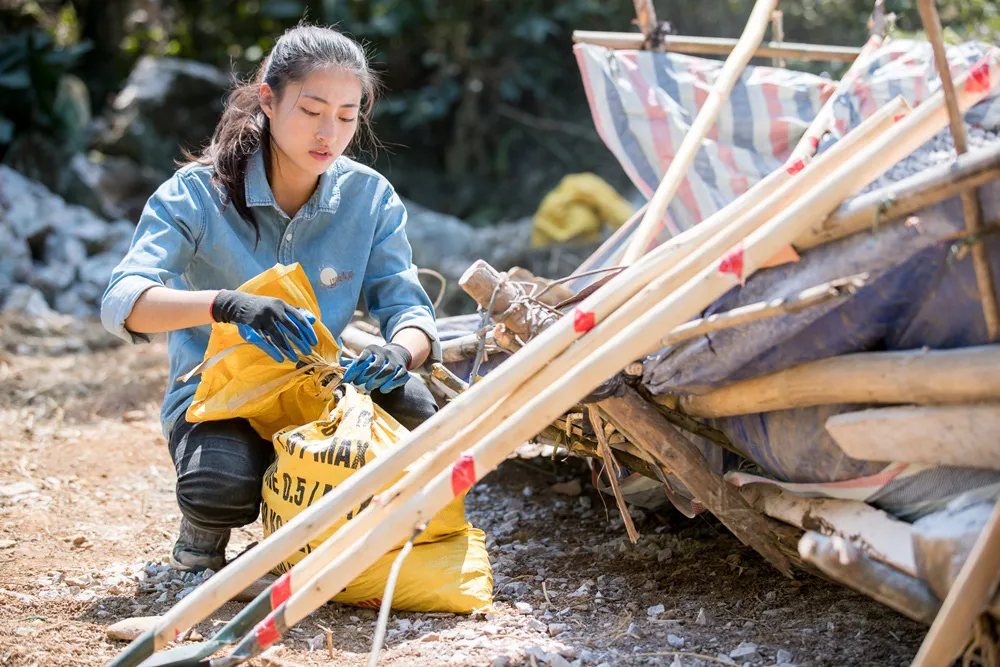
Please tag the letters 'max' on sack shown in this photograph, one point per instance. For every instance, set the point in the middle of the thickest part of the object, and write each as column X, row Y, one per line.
column 322, row 434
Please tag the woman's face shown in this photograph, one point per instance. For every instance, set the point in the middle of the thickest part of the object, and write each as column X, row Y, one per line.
column 314, row 120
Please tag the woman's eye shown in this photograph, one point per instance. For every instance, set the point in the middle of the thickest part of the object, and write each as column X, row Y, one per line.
column 310, row 113
column 349, row 120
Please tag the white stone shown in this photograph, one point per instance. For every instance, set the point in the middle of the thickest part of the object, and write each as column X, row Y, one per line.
column 675, row 641
column 17, row 489
column 783, row 657
column 655, row 610
column 523, row 607
column 745, row 651
column 131, row 628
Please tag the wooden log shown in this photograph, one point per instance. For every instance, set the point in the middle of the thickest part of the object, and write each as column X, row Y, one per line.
column 880, row 535
column 847, row 564
column 924, row 377
column 970, row 202
column 778, row 33
column 966, row 601
column 466, row 347
column 905, row 197
column 703, row 122
column 954, row 435
column 716, row 46
column 356, row 340
column 506, row 300
column 645, row 18
column 645, row 427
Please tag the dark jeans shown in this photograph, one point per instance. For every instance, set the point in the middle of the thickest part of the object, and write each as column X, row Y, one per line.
column 220, row 465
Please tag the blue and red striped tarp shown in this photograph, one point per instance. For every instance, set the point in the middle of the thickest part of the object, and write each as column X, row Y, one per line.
column 643, row 103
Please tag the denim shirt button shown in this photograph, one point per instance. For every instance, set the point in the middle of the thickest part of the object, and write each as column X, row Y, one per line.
column 288, row 237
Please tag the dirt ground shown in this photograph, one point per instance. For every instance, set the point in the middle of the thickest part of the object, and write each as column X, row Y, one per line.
column 87, row 507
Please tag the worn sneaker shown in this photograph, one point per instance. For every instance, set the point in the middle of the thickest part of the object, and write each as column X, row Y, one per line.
column 197, row 550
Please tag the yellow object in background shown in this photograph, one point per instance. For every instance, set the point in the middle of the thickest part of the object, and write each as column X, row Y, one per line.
column 576, row 209
column 323, row 432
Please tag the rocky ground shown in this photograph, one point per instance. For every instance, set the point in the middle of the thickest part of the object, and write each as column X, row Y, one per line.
column 87, row 515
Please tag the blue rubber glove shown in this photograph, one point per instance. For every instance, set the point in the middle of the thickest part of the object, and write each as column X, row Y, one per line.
column 279, row 329
column 382, row 367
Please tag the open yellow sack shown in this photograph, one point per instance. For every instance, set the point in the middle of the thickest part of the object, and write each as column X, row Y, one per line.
column 322, row 433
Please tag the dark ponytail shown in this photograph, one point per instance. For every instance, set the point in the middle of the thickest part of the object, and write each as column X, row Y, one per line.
column 244, row 127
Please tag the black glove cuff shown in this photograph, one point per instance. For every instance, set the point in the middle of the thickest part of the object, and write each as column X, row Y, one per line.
column 396, row 348
column 226, row 304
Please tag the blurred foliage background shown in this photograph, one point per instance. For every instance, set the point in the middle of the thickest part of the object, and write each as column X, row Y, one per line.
column 484, row 109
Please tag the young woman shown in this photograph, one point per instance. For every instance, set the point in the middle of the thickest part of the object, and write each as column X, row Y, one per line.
column 273, row 187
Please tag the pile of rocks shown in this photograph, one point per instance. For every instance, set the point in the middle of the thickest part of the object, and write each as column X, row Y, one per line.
column 54, row 255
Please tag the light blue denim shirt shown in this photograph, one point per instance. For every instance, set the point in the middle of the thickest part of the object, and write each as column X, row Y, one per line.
column 349, row 238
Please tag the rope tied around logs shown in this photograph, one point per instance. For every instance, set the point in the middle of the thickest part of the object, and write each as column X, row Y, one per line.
column 964, row 243
column 881, row 208
column 483, row 327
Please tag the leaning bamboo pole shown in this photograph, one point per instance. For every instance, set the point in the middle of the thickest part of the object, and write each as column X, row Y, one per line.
column 821, row 122
column 921, row 377
column 703, row 122
column 427, row 489
column 970, row 202
column 716, row 46
column 764, row 199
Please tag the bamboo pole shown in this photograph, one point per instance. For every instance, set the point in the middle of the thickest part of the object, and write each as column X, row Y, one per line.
column 422, row 493
column 966, row 600
column 703, row 122
column 905, row 197
column 970, row 202
column 835, row 290
column 715, row 46
column 675, row 257
column 820, row 124
column 464, row 348
column 922, row 377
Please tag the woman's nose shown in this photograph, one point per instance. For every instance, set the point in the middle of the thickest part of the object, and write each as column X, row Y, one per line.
column 326, row 131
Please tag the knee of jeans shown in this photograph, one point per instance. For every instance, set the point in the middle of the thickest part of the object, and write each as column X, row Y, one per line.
column 213, row 500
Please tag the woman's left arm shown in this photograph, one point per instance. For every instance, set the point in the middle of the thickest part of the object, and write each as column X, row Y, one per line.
column 392, row 290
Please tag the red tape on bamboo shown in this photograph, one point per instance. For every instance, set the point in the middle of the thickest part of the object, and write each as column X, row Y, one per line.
column 463, row 474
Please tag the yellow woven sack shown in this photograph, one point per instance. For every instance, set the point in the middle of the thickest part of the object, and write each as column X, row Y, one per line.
column 576, row 209
column 240, row 380
column 448, row 568
column 323, row 432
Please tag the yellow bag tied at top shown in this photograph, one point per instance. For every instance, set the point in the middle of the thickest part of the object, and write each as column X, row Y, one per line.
column 576, row 209
column 322, row 433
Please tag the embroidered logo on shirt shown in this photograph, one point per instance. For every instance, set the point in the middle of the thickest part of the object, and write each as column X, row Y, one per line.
column 329, row 277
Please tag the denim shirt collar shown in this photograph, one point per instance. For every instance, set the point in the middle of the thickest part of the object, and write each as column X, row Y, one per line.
column 325, row 198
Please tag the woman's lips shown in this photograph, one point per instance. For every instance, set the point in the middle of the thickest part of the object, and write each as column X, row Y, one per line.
column 320, row 155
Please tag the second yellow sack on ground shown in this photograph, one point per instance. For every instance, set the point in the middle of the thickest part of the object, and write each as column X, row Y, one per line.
column 448, row 568
column 322, row 434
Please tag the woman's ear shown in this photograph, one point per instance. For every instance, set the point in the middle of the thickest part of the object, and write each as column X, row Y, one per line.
column 267, row 100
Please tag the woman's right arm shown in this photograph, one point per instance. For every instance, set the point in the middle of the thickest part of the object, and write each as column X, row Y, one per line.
column 161, row 309
column 137, row 301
